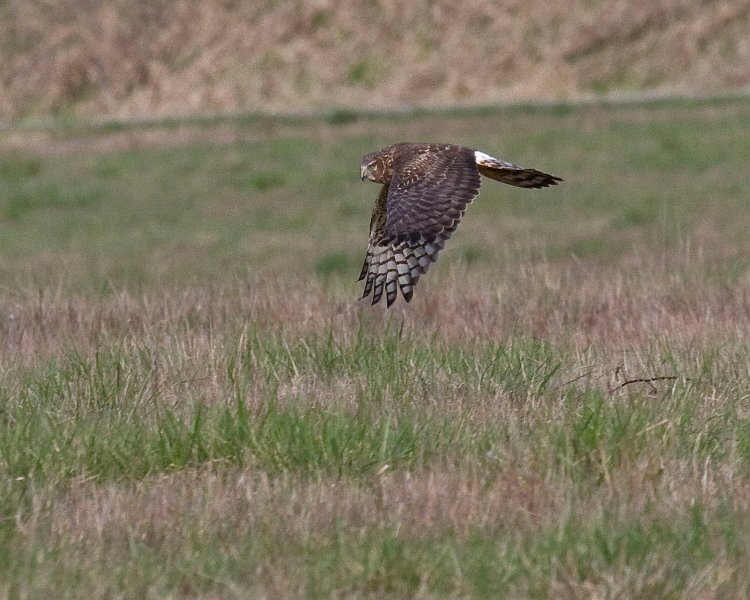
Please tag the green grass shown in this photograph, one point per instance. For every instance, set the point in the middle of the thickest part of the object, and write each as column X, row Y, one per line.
column 193, row 404
column 208, row 211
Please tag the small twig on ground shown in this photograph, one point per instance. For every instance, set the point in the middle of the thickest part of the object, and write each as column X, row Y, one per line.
column 620, row 372
column 646, row 380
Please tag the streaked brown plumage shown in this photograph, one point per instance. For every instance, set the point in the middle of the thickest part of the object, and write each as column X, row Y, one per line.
column 426, row 189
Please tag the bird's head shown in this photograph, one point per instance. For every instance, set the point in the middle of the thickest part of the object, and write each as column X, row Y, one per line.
column 372, row 168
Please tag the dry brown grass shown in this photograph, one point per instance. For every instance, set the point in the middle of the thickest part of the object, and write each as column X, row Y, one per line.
column 129, row 59
column 584, row 304
column 168, row 507
column 449, row 499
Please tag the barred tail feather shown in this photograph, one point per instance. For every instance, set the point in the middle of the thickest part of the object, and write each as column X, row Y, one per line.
column 506, row 172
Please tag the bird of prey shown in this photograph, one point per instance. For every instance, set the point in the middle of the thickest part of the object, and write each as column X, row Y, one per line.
column 426, row 188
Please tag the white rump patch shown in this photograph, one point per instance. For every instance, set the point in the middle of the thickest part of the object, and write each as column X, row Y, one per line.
column 484, row 159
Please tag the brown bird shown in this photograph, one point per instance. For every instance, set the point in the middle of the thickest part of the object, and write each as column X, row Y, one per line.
column 426, row 188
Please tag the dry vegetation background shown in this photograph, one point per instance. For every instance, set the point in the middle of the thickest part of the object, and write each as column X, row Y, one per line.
column 140, row 59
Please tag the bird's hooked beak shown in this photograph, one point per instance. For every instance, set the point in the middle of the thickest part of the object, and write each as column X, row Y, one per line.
column 362, row 171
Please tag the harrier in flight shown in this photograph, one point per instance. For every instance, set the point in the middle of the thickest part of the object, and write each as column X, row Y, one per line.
column 426, row 188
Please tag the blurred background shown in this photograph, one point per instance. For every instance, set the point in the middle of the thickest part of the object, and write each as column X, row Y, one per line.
column 127, row 59
column 186, row 142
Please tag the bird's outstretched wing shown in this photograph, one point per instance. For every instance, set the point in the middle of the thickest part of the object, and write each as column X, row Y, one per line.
column 415, row 214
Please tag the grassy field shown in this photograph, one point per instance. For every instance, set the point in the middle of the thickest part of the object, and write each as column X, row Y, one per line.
column 193, row 403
